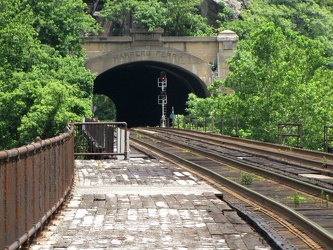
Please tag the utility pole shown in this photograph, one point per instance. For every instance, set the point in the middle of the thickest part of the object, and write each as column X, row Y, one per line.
column 163, row 98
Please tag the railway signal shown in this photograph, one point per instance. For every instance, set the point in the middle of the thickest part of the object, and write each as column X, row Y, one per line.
column 162, row 80
column 162, row 76
column 163, row 95
column 162, row 98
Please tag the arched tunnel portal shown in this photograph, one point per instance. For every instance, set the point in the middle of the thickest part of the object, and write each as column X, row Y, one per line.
column 133, row 87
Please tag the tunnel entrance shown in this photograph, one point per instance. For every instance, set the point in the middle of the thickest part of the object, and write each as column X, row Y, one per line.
column 133, row 89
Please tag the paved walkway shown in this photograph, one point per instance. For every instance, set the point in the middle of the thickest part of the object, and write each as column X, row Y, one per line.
column 144, row 204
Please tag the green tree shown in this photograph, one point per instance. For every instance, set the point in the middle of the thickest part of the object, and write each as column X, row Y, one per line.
column 176, row 17
column 61, row 23
column 268, row 77
column 275, row 63
column 280, row 73
column 17, row 38
column 183, row 19
column 151, row 14
column 118, row 11
column 43, row 101
column 41, row 87
column 104, row 108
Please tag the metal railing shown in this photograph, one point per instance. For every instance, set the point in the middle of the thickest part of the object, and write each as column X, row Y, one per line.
column 290, row 130
column 101, row 139
column 34, row 181
column 206, row 123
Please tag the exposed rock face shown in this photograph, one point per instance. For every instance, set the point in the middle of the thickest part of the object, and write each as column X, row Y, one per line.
column 236, row 5
column 210, row 8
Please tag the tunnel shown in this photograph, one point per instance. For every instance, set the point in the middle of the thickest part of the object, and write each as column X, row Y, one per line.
column 133, row 88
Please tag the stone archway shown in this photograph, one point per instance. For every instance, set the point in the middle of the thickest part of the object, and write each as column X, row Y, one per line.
column 192, row 63
column 170, row 56
column 133, row 88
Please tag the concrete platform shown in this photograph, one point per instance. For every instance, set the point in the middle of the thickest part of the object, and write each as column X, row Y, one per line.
column 144, row 204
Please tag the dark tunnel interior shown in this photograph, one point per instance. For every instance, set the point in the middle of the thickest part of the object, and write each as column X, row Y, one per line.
column 134, row 89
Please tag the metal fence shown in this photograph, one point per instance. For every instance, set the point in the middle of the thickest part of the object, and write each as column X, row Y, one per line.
column 94, row 139
column 206, row 123
column 34, row 181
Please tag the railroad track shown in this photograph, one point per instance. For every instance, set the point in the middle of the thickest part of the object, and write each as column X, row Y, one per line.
column 302, row 209
column 321, row 162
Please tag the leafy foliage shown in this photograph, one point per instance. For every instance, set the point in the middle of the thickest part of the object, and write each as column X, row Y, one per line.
column 16, row 37
column 183, row 19
column 152, row 14
column 43, row 81
column 60, row 23
column 105, row 109
column 176, row 17
column 281, row 72
column 118, row 11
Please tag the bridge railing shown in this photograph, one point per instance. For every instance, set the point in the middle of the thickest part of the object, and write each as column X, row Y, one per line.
column 34, row 181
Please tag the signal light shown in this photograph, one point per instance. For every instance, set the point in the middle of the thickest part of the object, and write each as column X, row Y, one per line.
column 163, row 95
column 162, row 76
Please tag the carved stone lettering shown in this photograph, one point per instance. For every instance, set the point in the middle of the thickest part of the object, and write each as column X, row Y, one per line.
column 136, row 55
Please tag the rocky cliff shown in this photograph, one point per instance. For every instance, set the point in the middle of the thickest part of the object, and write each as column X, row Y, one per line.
column 211, row 8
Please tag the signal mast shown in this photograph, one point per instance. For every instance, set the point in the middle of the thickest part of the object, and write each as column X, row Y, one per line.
column 163, row 98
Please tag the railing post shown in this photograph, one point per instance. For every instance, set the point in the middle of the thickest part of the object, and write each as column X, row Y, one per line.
column 126, row 142
column 213, row 124
column 222, row 126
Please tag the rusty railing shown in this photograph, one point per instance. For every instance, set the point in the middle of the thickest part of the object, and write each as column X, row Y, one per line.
column 34, row 181
column 94, row 139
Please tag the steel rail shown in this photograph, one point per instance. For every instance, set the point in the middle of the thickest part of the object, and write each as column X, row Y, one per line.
column 305, row 186
column 275, row 150
column 312, row 228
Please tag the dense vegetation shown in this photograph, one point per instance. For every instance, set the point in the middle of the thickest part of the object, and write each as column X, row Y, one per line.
column 176, row 17
column 43, row 82
column 104, row 108
column 282, row 71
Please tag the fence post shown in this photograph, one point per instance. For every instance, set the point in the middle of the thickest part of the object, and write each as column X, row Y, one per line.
column 213, row 124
